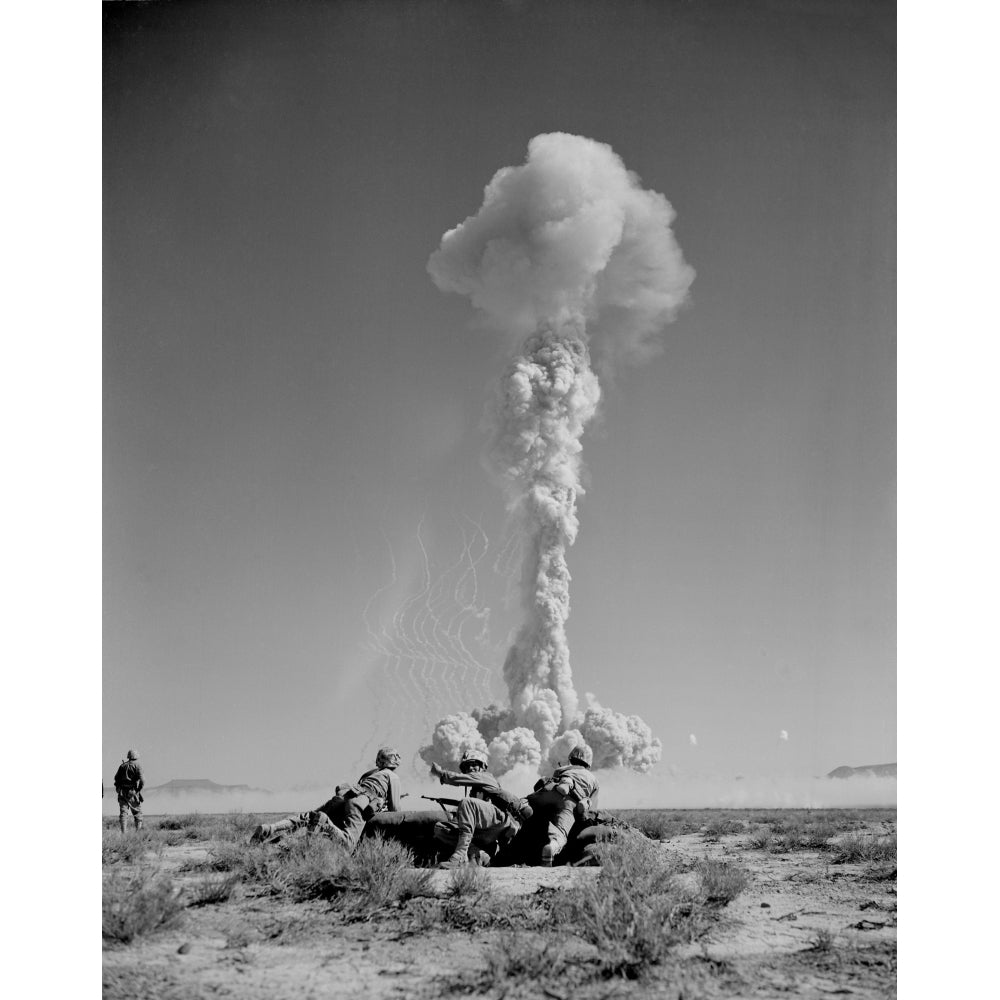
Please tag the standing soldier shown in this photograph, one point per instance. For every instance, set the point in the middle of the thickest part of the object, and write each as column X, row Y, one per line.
column 343, row 817
column 487, row 814
column 567, row 794
column 128, row 785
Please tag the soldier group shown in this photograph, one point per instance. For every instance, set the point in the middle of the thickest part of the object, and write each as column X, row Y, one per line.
column 486, row 819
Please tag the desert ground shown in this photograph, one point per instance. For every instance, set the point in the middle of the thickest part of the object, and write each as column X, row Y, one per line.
column 694, row 903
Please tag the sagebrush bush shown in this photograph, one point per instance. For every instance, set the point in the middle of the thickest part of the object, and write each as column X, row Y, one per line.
column 502, row 912
column 632, row 913
column 722, row 826
column 721, row 882
column 130, row 848
column 856, row 848
column 139, row 903
column 468, row 882
column 238, row 825
column 378, row 874
column 520, row 958
column 212, row 890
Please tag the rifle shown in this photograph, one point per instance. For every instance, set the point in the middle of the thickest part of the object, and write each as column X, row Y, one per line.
column 443, row 803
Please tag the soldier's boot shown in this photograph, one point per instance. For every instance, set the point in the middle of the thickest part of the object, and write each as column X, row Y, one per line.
column 460, row 856
column 319, row 822
column 121, row 824
column 549, row 852
column 138, row 822
column 268, row 830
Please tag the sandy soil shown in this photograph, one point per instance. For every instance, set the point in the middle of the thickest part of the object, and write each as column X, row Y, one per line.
column 803, row 928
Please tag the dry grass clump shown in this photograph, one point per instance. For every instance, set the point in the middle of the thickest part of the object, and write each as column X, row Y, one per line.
column 632, row 913
column 659, row 824
column 130, row 848
column 211, row 890
column 859, row 848
column 379, row 874
column 722, row 826
column 139, row 903
column 521, row 958
column 721, row 881
column 468, row 882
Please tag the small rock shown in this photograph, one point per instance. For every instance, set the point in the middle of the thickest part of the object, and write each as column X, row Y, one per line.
column 765, row 906
column 184, row 948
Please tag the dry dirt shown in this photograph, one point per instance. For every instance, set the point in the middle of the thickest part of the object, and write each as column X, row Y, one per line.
column 803, row 928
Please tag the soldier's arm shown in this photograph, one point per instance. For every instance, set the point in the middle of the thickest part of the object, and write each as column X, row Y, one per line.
column 392, row 795
column 472, row 780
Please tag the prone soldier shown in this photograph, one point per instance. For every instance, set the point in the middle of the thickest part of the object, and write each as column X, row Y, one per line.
column 344, row 816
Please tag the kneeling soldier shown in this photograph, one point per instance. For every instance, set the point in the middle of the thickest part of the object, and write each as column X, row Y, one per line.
column 344, row 816
column 487, row 815
column 568, row 794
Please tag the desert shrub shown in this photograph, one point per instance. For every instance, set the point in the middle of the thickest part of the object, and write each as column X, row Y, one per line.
column 238, row 825
column 379, row 874
column 823, row 940
column 502, row 912
column 632, row 913
column 170, row 838
column 212, row 890
column 522, row 958
column 130, row 848
column 789, row 840
column 468, row 882
column 760, row 839
column 722, row 826
column 658, row 824
column 721, row 881
column 226, row 857
column 185, row 821
column 817, row 836
column 139, row 903
column 855, row 848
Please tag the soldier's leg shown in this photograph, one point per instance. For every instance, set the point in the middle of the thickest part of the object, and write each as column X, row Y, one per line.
column 122, row 813
column 473, row 815
column 560, row 823
column 137, row 816
column 354, row 821
column 287, row 825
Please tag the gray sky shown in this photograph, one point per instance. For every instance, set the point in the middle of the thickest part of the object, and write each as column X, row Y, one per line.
column 288, row 396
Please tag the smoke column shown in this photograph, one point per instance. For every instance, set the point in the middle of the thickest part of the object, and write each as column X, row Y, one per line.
column 567, row 253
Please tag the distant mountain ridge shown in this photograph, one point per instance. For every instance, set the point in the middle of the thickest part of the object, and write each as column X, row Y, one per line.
column 177, row 786
column 867, row 770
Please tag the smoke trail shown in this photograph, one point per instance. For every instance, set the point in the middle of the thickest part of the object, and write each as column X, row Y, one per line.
column 566, row 252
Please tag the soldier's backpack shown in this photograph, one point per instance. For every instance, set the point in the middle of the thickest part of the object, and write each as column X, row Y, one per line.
column 126, row 777
column 509, row 803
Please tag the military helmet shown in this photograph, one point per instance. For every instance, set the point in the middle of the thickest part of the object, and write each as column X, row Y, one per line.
column 387, row 757
column 131, row 755
column 471, row 757
column 581, row 754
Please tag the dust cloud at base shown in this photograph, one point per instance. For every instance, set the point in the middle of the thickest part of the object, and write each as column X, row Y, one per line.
column 619, row 790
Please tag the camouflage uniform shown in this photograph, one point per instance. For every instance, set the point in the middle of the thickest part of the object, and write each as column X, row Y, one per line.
column 567, row 794
column 481, row 824
column 343, row 817
column 128, row 785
